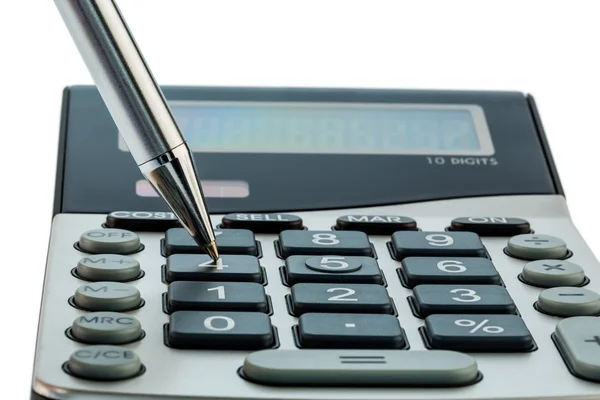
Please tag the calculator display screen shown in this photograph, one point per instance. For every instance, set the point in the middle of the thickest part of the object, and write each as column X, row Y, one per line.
column 332, row 128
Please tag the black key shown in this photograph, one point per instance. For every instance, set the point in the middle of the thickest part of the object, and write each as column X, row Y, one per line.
column 350, row 331
column 321, row 243
column 342, row 298
column 375, row 224
column 200, row 267
column 214, row 296
column 436, row 244
column 148, row 221
column 439, row 270
column 473, row 332
column 460, row 299
column 229, row 241
column 262, row 223
column 332, row 269
column 491, row 226
column 219, row 330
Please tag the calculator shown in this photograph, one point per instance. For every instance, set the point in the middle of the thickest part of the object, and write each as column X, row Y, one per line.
column 375, row 245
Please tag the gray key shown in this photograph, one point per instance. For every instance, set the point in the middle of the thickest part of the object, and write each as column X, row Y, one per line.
column 107, row 296
column 106, row 328
column 372, row 367
column 116, row 241
column 108, row 267
column 569, row 301
column 536, row 247
column 104, row 363
column 552, row 273
column 579, row 340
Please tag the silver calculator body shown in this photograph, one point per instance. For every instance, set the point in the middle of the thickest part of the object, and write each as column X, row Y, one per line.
column 377, row 244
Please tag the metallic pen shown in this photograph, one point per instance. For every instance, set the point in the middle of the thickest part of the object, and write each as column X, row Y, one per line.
column 140, row 111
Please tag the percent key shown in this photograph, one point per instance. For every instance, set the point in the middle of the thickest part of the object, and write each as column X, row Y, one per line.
column 477, row 332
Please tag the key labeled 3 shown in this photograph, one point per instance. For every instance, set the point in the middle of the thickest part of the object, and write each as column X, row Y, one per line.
column 454, row 299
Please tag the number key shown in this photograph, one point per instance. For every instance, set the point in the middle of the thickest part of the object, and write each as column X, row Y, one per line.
column 219, row 330
column 322, row 269
column 436, row 244
column 330, row 298
column 439, row 270
column 228, row 296
column 321, row 243
column 452, row 299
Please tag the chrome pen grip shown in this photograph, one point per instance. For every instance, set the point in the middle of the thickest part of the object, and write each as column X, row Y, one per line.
column 122, row 77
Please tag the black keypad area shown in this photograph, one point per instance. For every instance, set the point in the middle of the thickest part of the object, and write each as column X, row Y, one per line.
column 337, row 288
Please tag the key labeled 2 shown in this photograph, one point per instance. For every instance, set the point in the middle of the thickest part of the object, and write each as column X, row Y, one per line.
column 436, row 244
column 339, row 298
column 457, row 299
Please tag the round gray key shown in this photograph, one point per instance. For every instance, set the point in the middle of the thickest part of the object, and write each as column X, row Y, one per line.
column 104, row 362
column 569, row 301
column 553, row 273
column 116, row 241
column 106, row 328
column 107, row 296
column 537, row 247
column 108, row 267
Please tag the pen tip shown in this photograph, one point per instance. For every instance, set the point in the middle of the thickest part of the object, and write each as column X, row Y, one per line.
column 212, row 251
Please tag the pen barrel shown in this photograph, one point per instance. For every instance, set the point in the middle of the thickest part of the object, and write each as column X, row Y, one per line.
column 122, row 77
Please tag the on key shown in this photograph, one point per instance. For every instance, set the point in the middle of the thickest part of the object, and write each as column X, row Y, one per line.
column 491, row 226
column 375, row 224
column 262, row 223
column 149, row 221
column 229, row 241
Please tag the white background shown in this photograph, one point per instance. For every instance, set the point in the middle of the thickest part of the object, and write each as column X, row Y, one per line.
column 548, row 48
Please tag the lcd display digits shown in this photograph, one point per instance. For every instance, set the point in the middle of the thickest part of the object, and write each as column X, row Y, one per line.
column 331, row 128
